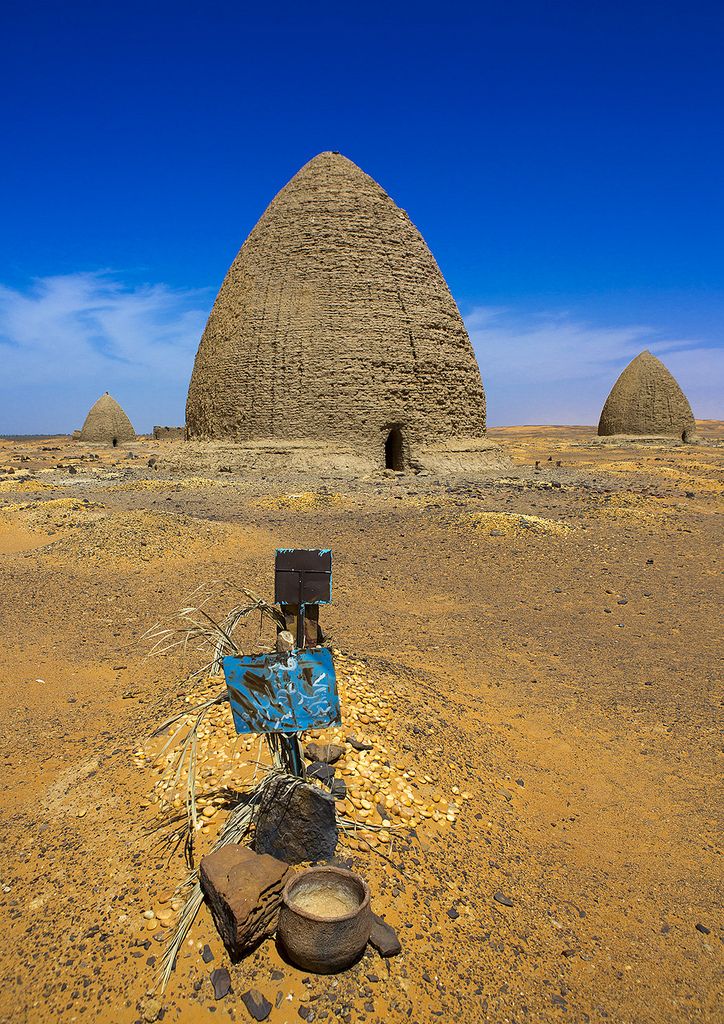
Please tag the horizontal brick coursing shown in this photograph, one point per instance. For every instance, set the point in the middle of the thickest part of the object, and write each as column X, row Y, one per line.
column 334, row 322
column 646, row 400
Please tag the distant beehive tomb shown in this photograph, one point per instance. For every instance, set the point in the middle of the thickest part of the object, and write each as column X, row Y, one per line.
column 107, row 423
column 647, row 401
column 334, row 324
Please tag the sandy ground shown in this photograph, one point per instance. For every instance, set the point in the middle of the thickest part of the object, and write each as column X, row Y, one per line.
column 547, row 643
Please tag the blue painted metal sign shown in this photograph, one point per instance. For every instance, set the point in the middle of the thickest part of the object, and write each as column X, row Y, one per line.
column 283, row 692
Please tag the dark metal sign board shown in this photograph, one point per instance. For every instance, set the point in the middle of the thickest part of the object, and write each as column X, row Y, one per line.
column 303, row 576
column 283, row 692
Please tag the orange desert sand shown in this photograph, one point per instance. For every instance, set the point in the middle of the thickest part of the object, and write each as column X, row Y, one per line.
column 531, row 653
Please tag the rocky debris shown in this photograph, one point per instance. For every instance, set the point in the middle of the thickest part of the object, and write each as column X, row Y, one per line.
column 501, row 898
column 300, row 826
column 328, row 753
column 257, row 1004
column 384, row 937
column 244, row 891
column 221, row 980
column 206, row 955
column 702, row 928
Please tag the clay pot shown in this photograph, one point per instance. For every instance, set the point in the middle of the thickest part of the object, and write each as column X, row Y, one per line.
column 325, row 919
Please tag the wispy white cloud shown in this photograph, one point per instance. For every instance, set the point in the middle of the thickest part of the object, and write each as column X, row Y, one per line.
column 66, row 339
column 557, row 368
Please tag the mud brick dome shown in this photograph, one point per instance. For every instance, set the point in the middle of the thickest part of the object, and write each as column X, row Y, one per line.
column 646, row 400
column 334, row 323
column 107, row 423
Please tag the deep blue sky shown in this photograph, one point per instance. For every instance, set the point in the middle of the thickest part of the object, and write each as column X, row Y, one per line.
column 564, row 161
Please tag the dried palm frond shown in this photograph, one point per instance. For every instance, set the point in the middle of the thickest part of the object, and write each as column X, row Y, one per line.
column 194, row 628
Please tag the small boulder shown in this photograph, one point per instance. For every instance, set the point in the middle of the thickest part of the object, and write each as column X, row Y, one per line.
column 384, row 937
column 244, row 892
column 328, row 753
column 296, row 825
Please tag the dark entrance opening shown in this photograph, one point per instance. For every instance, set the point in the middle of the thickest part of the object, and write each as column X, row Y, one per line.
column 115, row 442
column 685, row 436
column 394, row 458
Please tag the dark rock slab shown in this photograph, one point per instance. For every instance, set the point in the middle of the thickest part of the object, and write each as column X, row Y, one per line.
column 257, row 1004
column 504, row 900
column 384, row 937
column 358, row 744
column 338, row 789
column 221, row 980
column 322, row 771
column 244, row 892
column 296, row 826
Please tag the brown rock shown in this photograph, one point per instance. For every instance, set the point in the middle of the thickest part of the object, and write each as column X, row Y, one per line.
column 243, row 890
column 329, row 753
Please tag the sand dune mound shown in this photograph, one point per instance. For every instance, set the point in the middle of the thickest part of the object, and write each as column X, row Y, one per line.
column 510, row 524
column 139, row 536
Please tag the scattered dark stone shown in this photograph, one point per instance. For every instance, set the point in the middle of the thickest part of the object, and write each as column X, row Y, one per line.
column 152, row 461
column 338, row 789
column 206, row 955
column 497, row 533
column 296, row 827
column 384, row 937
column 279, row 999
column 702, row 928
column 426, row 977
column 647, row 593
column 306, row 1012
column 690, row 494
column 372, row 978
column 329, row 753
column 221, row 980
column 321, row 770
column 358, row 744
column 559, row 1001
column 277, row 975
column 623, row 600
column 258, row 1006
column 519, row 782
column 500, row 897
column 224, row 469
column 569, row 952
column 453, row 913
column 665, row 929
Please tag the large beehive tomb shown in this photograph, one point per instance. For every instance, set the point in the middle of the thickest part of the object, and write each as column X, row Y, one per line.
column 107, row 423
column 647, row 401
column 334, row 326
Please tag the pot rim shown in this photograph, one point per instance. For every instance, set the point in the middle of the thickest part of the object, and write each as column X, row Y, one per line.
column 300, row 876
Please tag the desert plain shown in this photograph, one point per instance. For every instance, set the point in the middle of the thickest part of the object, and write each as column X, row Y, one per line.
column 535, row 649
